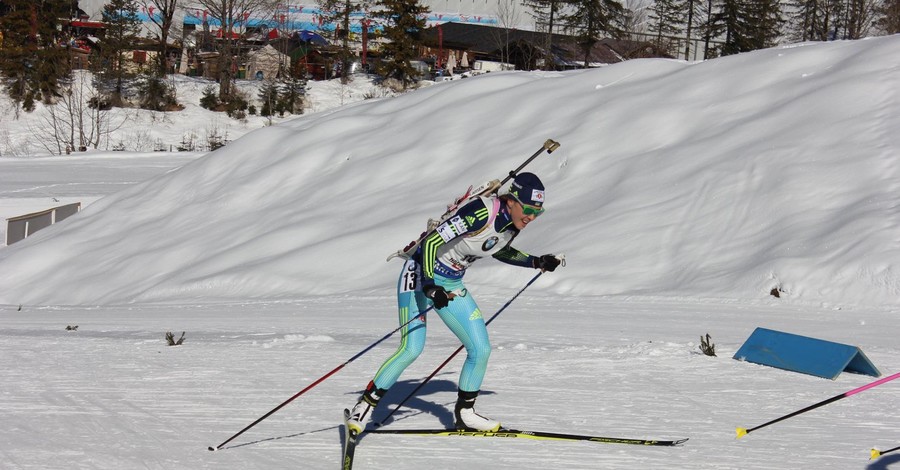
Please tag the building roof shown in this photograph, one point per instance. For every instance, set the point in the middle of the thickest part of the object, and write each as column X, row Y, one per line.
column 566, row 50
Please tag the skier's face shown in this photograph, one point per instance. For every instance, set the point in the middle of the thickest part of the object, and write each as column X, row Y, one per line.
column 521, row 214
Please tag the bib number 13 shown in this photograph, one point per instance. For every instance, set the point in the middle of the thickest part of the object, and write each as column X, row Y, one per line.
column 409, row 280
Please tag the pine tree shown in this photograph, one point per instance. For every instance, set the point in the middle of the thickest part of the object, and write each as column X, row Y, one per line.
column 122, row 28
column 668, row 19
column 802, row 23
column 767, row 20
column 751, row 25
column 546, row 16
column 339, row 12
column 268, row 95
column 592, row 19
column 405, row 20
column 291, row 91
column 888, row 16
column 711, row 25
column 32, row 61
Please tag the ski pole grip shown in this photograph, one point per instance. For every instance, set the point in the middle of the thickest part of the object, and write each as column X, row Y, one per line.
column 551, row 145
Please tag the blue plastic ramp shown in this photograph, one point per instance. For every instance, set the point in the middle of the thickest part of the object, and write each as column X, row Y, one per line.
column 804, row 354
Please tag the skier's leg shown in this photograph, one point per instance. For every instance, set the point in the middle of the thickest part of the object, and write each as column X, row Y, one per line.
column 464, row 318
column 410, row 301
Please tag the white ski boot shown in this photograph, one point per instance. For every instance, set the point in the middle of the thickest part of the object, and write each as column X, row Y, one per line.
column 362, row 411
column 466, row 417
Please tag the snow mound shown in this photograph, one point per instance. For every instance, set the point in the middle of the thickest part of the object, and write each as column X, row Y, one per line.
column 723, row 179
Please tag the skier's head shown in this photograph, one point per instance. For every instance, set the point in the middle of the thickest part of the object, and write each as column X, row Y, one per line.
column 525, row 199
column 528, row 189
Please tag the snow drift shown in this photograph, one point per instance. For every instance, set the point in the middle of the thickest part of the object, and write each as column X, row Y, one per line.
column 723, row 179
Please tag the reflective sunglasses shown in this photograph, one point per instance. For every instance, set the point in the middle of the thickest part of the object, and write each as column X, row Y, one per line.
column 532, row 210
column 528, row 209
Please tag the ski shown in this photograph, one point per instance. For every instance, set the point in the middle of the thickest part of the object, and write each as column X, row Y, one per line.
column 350, row 439
column 537, row 435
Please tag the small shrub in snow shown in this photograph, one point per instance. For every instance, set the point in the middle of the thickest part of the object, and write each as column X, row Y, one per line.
column 268, row 96
column 71, row 328
column 236, row 106
column 215, row 139
column 210, row 98
column 157, row 95
column 706, row 347
column 170, row 339
column 188, row 142
column 377, row 92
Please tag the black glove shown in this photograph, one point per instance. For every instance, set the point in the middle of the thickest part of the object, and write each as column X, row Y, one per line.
column 546, row 263
column 437, row 294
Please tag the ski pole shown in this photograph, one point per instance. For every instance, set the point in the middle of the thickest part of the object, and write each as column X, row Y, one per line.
column 318, row 381
column 878, row 453
column 419, row 387
column 741, row 432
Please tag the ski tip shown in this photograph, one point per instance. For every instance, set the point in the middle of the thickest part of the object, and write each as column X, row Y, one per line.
column 741, row 432
column 211, row 448
column 875, row 454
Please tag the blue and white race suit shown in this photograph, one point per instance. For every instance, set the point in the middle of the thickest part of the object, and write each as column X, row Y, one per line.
column 481, row 228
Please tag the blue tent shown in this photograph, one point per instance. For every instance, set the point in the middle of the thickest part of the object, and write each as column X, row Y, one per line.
column 310, row 37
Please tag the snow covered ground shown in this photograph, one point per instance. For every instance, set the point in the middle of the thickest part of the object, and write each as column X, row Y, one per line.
column 681, row 195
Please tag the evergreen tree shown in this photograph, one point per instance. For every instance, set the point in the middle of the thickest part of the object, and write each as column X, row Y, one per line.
column 291, row 91
column 155, row 94
column 734, row 23
column 668, row 19
column 268, row 95
column 803, row 22
column 888, row 16
column 122, row 28
column 405, row 20
column 751, row 25
column 546, row 15
column 592, row 19
column 711, row 25
column 32, row 60
column 767, row 20
column 339, row 12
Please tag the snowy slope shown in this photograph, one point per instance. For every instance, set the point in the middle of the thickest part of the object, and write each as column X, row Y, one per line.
column 722, row 179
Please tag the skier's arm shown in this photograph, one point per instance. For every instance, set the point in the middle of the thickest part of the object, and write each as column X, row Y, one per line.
column 510, row 255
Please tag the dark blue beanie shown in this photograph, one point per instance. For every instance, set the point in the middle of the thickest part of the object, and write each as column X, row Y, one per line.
column 528, row 189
